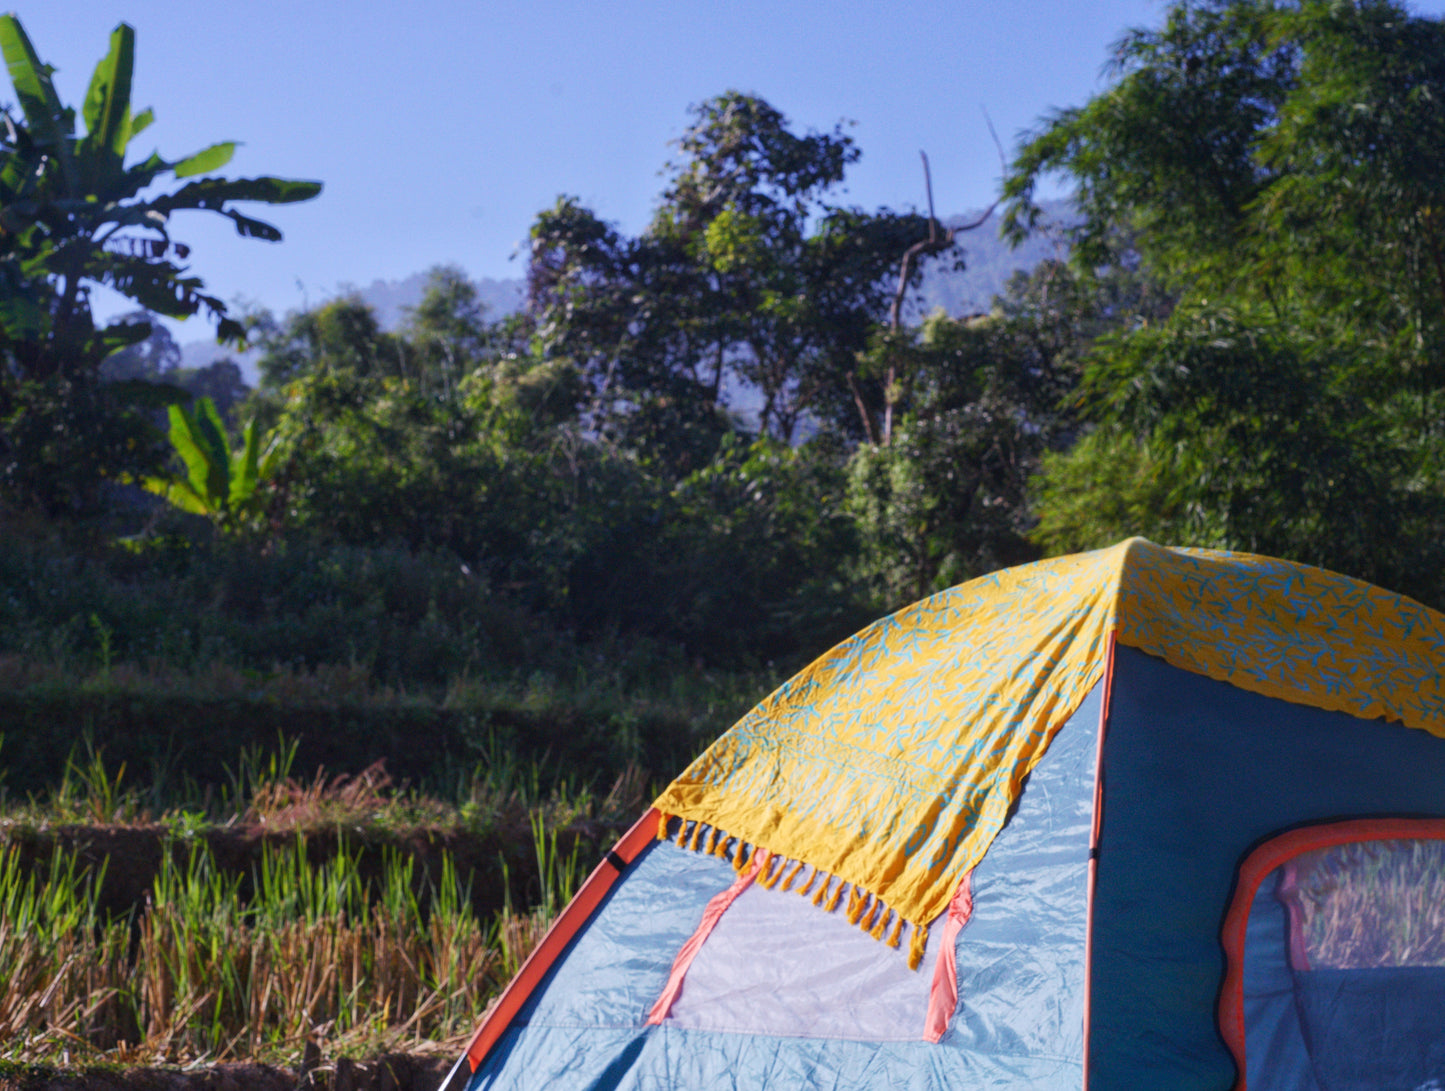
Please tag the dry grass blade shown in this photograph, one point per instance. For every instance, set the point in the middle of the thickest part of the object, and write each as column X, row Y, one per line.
column 1374, row 904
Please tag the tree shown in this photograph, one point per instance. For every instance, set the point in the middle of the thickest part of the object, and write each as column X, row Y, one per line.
column 152, row 358
column 339, row 337
column 1239, row 434
column 73, row 213
column 747, row 278
column 1266, row 152
column 447, row 334
column 221, row 381
column 1164, row 162
column 947, row 498
column 1276, row 167
column 427, row 436
column 157, row 359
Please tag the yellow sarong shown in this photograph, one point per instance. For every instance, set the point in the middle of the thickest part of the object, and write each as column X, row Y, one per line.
column 891, row 762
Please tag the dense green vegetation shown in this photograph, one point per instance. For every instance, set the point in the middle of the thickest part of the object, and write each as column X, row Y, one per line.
column 1275, row 167
column 75, row 214
column 701, row 454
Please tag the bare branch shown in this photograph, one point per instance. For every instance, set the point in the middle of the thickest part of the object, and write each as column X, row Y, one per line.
column 928, row 185
column 997, row 143
column 934, row 244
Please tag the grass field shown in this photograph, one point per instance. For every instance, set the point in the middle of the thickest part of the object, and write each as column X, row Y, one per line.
column 304, row 951
column 202, row 859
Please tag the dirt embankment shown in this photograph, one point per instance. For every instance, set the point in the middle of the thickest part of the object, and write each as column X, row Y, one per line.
column 392, row 1072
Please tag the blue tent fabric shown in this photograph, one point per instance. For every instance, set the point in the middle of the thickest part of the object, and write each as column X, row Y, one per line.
column 1253, row 766
column 1335, row 1029
column 1020, row 968
column 1379, row 1028
column 1278, row 1057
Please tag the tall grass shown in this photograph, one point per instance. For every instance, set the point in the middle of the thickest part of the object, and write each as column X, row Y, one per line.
column 558, row 873
column 199, row 974
column 217, row 966
column 261, row 790
column 64, row 969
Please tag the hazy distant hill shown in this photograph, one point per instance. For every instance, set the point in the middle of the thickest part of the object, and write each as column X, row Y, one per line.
column 390, row 298
column 988, row 261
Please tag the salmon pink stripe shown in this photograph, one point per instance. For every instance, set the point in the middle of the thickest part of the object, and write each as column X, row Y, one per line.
column 710, row 916
column 943, row 993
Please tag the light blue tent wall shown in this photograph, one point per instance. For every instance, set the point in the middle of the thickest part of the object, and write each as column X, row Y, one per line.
column 857, row 1018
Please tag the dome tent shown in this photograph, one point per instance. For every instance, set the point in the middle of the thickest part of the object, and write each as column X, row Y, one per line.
column 1138, row 817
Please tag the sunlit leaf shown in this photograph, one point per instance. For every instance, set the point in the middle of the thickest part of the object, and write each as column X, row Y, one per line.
column 177, row 493
column 243, row 482
column 184, row 439
column 107, row 103
column 213, row 158
column 33, row 87
column 210, row 433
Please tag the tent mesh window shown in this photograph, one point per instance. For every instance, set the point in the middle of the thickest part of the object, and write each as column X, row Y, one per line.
column 1336, row 946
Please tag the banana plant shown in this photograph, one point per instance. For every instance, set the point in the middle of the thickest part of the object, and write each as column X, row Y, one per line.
column 72, row 214
column 78, row 209
column 222, row 485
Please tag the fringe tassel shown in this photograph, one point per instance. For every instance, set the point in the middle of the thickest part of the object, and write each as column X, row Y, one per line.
column 865, row 918
column 877, row 930
column 916, row 945
column 897, row 933
column 856, row 918
column 812, row 878
column 863, row 910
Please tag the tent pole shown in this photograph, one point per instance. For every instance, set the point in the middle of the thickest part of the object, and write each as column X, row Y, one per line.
column 1108, row 686
column 578, row 912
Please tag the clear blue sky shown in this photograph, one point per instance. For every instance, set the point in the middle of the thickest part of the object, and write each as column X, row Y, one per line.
column 440, row 133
